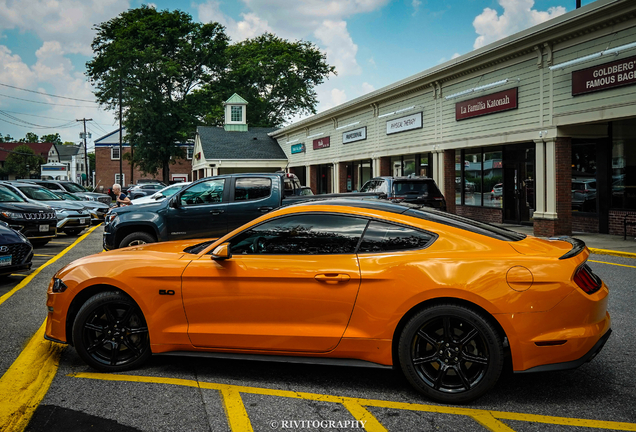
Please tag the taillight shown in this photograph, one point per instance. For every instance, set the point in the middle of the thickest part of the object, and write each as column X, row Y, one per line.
column 587, row 280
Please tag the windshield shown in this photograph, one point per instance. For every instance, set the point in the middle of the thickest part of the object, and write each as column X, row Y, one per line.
column 169, row 191
column 6, row 195
column 39, row 193
column 67, row 196
column 73, row 187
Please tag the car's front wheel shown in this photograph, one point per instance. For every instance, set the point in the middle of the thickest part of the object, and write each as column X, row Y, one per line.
column 136, row 239
column 451, row 353
column 110, row 333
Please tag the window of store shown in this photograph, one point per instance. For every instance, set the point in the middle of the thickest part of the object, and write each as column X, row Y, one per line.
column 584, row 177
column 472, row 177
column 624, row 165
column 493, row 179
column 479, row 177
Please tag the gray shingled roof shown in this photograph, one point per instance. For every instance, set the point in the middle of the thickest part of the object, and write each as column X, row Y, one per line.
column 66, row 151
column 253, row 144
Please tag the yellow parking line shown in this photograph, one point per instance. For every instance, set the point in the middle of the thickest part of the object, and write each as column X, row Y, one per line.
column 44, row 255
column 361, row 414
column 603, row 262
column 26, row 382
column 480, row 416
column 235, row 411
column 18, row 275
column 30, row 277
column 64, row 243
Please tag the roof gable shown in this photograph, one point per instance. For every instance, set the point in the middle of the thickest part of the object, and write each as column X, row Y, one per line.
column 236, row 99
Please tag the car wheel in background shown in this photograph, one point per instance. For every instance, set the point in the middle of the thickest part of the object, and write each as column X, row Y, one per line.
column 72, row 232
column 137, row 238
column 38, row 243
column 110, row 333
column 451, row 353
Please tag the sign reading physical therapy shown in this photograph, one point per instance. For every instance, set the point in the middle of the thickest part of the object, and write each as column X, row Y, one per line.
column 321, row 143
column 616, row 74
column 402, row 124
column 298, row 148
column 490, row 104
column 354, row 135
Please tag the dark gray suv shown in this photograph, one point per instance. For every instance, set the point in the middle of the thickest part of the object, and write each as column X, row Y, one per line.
column 413, row 190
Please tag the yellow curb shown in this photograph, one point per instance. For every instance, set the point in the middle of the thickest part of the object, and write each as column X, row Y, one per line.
column 612, row 252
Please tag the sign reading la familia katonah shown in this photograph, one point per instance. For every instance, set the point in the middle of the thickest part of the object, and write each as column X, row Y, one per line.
column 604, row 76
column 489, row 104
column 354, row 135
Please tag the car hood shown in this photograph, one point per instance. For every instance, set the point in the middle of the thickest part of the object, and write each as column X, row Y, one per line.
column 9, row 236
column 90, row 194
column 25, row 207
column 63, row 204
column 148, row 207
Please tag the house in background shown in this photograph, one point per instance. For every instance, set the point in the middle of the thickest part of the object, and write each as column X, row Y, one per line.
column 46, row 151
column 235, row 147
column 107, row 158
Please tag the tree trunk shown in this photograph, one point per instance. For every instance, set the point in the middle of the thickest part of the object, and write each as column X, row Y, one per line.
column 166, row 172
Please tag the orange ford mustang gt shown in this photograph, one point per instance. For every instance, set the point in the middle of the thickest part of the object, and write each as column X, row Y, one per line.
column 445, row 298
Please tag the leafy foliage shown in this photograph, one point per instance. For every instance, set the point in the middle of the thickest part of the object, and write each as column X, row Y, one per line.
column 51, row 138
column 19, row 159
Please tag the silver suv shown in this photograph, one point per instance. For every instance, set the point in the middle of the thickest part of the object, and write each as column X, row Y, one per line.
column 584, row 194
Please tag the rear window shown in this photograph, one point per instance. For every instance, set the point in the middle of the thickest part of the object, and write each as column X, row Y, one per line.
column 460, row 222
column 416, row 188
column 247, row 189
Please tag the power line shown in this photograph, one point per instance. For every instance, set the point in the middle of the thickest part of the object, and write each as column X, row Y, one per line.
column 48, row 103
column 46, row 94
column 34, row 115
column 33, row 124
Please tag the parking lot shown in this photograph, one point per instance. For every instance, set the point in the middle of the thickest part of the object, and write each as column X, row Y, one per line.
column 47, row 387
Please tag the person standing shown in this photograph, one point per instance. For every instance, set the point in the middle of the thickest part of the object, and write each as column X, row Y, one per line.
column 120, row 197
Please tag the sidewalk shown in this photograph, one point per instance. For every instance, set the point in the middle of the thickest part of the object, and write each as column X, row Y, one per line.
column 602, row 244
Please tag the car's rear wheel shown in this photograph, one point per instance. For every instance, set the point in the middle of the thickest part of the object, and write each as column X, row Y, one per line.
column 110, row 333
column 136, row 239
column 73, row 232
column 451, row 353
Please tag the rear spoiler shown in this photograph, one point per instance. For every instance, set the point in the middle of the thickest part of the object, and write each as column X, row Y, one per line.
column 577, row 246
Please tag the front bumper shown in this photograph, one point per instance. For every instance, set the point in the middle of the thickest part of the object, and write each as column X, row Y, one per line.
column 36, row 230
column 74, row 222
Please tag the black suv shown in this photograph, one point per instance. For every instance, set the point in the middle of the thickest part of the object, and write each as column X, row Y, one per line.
column 37, row 222
column 414, row 190
column 16, row 252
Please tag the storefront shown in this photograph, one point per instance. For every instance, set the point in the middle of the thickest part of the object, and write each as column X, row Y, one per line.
column 538, row 128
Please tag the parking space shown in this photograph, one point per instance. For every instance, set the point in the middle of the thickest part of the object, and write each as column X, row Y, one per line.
column 173, row 393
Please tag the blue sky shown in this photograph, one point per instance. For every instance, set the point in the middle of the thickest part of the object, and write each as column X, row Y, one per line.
column 45, row 44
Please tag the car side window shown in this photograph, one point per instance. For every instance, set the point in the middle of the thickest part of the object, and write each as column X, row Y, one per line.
column 384, row 237
column 247, row 189
column 307, row 234
column 381, row 187
column 207, row 192
column 369, row 186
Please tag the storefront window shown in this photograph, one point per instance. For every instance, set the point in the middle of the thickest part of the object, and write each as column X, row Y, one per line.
column 408, row 166
column 472, row 177
column 424, row 166
column 624, row 165
column 493, row 179
column 458, row 176
column 584, row 177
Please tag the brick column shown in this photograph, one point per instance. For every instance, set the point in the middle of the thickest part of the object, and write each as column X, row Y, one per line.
column 342, row 177
column 385, row 166
column 559, row 183
column 449, row 181
column 313, row 179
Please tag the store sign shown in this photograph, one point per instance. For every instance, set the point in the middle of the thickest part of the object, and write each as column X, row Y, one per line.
column 321, row 143
column 602, row 77
column 354, row 135
column 490, row 104
column 403, row 124
column 53, row 168
column 298, row 148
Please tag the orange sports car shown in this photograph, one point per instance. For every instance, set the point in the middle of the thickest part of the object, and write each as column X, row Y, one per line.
column 445, row 298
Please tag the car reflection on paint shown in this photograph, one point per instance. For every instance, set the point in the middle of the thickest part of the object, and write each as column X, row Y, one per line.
column 444, row 298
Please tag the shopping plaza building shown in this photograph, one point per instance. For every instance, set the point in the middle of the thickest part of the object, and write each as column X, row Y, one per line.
column 538, row 128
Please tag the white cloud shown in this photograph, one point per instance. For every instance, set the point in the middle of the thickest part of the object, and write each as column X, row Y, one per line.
column 444, row 59
column 371, row 61
column 454, row 56
column 13, row 71
column 340, row 49
column 367, row 88
column 416, row 6
column 518, row 15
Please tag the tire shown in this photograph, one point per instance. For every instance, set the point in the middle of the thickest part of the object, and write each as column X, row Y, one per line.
column 39, row 243
column 451, row 353
column 72, row 232
column 136, row 239
column 110, row 333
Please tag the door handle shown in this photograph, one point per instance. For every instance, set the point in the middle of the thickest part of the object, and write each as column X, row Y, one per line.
column 265, row 209
column 216, row 212
column 332, row 278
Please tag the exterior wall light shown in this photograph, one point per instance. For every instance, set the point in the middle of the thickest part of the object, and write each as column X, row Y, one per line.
column 614, row 51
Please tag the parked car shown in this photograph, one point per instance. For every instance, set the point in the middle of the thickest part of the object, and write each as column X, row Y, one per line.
column 497, row 192
column 145, row 189
column 306, row 191
column 161, row 194
column 584, row 195
column 446, row 299
column 415, row 190
column 71, row 187
column 72, row 217
column 37, row 222
column 209, row 207
column 16, row 252
column 96, row 209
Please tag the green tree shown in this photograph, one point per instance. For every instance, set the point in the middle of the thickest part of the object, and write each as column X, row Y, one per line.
column 51, row 138
column 6, row 138
column 155, row 60
column 30, row 138
column 22, row 161
column 277, row 77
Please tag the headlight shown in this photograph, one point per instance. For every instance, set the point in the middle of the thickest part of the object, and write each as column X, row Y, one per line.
column 12, row 215
column 110, row 217
column 90, row 198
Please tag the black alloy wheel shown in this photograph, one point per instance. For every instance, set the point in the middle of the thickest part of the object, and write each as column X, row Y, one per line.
column 110, row 333
column 451, row 353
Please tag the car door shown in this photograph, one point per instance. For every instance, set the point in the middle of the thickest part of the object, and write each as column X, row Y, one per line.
column 199, row 211
column 251, row 198
column 290, row 285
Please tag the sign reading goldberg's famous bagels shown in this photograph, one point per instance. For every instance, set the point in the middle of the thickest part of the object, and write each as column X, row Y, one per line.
column 490, row 104
column 605, row 76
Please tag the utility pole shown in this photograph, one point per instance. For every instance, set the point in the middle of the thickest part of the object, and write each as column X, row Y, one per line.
column 84, row 120
column 121, row 156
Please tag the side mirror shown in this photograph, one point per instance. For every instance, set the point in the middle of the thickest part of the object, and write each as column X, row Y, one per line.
column 175, row 202
column 222, row 252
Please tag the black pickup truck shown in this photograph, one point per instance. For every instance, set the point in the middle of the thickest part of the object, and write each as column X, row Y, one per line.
column 208, row 208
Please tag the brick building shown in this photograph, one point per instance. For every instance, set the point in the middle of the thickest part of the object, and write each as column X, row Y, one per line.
column 107, row 159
